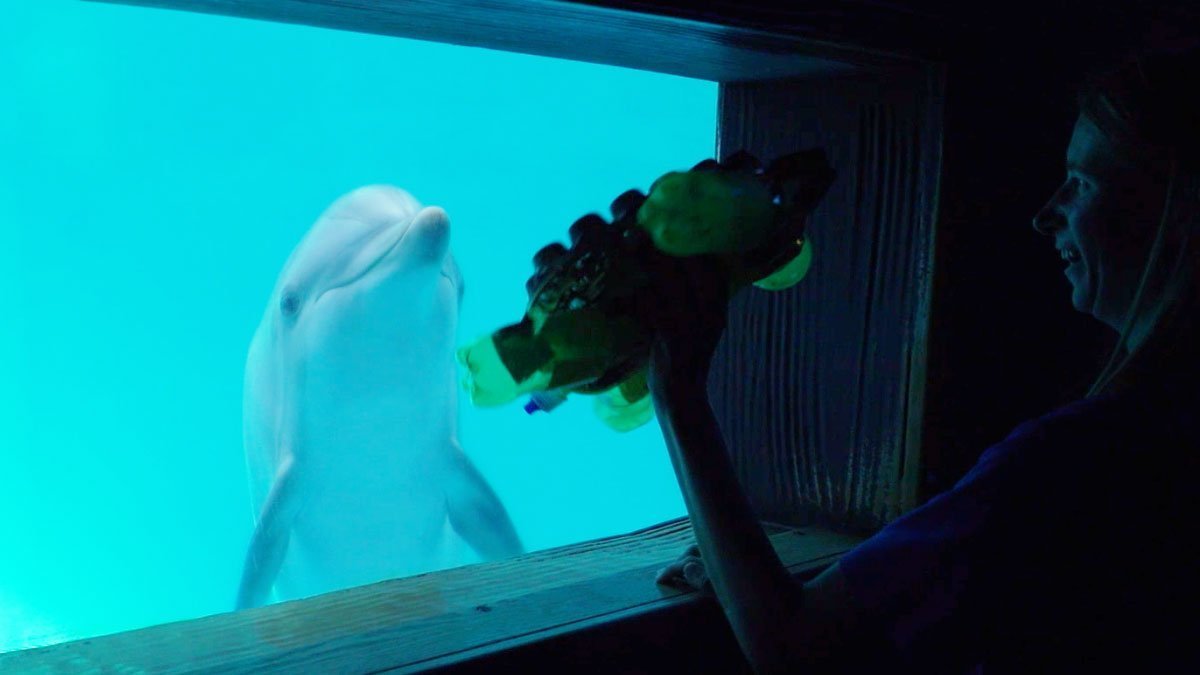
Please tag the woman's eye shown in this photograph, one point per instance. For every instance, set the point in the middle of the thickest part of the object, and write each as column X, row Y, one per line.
column 1074, row 185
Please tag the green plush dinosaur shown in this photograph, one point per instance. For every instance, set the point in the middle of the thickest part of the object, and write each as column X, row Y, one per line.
column 585, row 329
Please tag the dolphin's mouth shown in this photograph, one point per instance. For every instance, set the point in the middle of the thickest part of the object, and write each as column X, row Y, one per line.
column 454, row 283
column 367, row 269
column 451, row 271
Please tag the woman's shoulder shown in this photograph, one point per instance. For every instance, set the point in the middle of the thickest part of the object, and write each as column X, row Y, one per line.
column 1133, row 411
column 1104, row 426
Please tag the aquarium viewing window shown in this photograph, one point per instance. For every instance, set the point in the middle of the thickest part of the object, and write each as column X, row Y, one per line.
column 160, row 168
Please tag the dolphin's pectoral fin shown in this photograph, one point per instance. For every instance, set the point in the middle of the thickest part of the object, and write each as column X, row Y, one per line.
column 476, row 513
column 269, row 543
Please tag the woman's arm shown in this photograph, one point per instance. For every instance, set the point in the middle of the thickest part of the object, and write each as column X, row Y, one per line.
column 778, row 624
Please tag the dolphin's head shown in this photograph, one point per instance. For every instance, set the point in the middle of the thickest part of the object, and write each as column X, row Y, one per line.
column 376, row 261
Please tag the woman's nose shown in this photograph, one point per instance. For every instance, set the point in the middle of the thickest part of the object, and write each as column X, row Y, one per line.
column 1049, row 219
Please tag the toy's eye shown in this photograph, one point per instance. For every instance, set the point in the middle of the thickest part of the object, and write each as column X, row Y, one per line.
column 289, row 304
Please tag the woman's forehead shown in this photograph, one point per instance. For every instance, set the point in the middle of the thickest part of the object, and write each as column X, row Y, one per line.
column 1092, row 151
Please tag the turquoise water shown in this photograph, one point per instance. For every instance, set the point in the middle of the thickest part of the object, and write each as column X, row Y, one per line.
column 157, row 167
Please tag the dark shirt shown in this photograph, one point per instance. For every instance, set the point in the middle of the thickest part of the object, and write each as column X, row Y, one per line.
column 1069, row 547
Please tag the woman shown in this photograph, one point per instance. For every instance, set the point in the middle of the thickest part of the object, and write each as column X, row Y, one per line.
column 1069, row 544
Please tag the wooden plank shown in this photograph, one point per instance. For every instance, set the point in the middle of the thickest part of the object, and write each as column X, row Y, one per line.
column 566, row 30
column 913, row 466
column 419, row 622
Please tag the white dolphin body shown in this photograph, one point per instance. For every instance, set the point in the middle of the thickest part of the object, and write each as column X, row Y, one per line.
column 350, row 410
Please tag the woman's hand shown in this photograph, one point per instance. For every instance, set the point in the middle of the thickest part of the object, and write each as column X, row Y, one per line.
column 690, row 297
column 691, row 305
column 685, row 303
column 687, row 573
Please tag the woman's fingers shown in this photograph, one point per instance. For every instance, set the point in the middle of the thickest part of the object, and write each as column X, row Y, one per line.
column 692, row 295
column 695, row 574
column 681, row 572
column 686, row 573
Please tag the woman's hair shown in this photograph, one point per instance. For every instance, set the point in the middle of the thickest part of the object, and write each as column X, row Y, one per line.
column 1149, row 110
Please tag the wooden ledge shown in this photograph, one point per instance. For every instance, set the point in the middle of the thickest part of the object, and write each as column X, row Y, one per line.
column 428, row 621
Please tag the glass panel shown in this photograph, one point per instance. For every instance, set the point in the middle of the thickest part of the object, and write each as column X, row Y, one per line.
column 159, row 169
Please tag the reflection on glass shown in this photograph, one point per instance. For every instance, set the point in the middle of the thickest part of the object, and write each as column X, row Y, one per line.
column 160, row 167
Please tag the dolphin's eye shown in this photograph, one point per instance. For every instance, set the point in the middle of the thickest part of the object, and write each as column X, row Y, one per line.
column 289, row 304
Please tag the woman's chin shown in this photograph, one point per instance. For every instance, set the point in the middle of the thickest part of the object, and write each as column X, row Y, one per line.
column 1080, row 301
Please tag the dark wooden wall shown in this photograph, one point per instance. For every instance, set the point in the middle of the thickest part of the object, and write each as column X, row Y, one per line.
column 819, row 387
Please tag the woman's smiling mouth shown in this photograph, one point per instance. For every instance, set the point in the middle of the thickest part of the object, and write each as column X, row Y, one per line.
column 1070, row 254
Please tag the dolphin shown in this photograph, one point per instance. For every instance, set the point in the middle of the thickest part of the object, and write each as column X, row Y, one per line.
column 350, row 410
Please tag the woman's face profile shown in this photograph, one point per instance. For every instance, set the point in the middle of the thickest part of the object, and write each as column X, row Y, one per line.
column 1103, row 219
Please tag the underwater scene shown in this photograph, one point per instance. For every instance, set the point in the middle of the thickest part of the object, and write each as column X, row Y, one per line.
column 223, row 241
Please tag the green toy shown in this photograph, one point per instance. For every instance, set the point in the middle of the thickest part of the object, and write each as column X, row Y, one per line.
column 585, row 329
